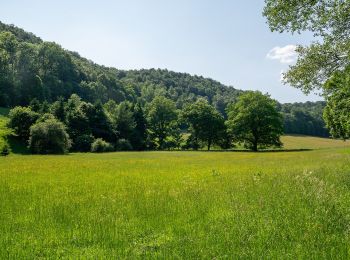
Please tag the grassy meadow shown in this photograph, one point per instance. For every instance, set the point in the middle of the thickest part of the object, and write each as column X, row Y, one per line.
column 177, row 205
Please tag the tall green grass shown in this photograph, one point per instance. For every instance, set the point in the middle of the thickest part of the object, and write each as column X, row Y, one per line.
column 176, row 205
column 311, row 142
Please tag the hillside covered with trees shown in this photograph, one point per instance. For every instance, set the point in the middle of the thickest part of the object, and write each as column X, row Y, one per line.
column 44, row 76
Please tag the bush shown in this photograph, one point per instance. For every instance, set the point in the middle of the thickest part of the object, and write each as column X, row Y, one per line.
column 49, row 137
column 4, row 150
column 101, row 146
column 123, row 145
column 83, row 143
column 45, row 117
column 21, row 119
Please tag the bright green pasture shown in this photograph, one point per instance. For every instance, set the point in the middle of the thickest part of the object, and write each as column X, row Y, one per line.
column 186, row 205
column 311, row 142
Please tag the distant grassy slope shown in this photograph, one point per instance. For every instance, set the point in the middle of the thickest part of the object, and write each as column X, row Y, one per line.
column 310, row 142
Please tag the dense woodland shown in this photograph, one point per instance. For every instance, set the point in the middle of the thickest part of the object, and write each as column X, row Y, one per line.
column 45, row 78
column 304, row 118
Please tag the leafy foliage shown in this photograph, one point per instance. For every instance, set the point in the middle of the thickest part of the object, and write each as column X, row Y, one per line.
column 337, row 112
column 101, row 146
column 136, row 108
column 325, row 63
column 255, row 121
column 5, row 132
column 21, row 119
column 304, row 118
column 206, row 123
column 162, row 120
column 329, row 20
column 49, row 137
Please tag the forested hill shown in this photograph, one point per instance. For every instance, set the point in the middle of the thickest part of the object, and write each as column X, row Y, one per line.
column 34, row 69
column 304, row 118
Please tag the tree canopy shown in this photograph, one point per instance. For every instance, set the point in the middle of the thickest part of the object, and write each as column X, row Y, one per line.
column 49, row 137
column 329, row 20
column 136, row 109
column 206, row 123
column 161, row 119
column 325, row 63
column 255, row 121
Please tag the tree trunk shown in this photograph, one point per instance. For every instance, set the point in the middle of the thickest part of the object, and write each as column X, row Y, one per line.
column 209, row 144
column 255, row 146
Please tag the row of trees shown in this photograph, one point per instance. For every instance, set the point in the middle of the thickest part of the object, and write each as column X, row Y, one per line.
column 33, row 69
column 304, row 118
column 77, row 125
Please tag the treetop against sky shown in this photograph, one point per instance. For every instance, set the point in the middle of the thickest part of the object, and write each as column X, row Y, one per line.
column 228, row 40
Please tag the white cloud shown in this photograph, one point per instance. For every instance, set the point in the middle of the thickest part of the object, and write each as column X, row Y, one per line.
column 284, row 54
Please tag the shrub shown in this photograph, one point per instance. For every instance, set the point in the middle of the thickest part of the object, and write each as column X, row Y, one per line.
column 21, row 119
column 101, row 146
column 5, row 149
column 45, row 117
column 83, row 143
column 123, row 145
column 49, row 137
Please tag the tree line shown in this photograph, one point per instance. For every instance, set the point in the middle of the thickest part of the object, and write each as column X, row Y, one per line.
column 304, row 118
column 72, row 124
column 33, row 69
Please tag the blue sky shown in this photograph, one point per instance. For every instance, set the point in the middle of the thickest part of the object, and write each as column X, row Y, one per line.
column 226, row 40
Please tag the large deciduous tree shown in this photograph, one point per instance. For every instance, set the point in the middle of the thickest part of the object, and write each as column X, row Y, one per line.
column 337, row 111
column 329, row 20
column 328, row 55
column 255, row 121
column 206, row 123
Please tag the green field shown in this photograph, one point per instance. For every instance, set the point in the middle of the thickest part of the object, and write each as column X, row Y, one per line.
column 309, row 142
column 176, row 205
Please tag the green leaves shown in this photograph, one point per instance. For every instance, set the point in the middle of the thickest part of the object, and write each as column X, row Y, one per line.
column 255, row 121
column 206, row 123
column 329, row 20
column 336, row 113
column 162, row 119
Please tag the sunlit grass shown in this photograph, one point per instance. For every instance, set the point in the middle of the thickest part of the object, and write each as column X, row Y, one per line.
column 310, row 142
column 176, row 205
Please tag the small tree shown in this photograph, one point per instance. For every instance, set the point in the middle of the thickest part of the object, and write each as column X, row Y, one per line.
column 162, row 119
column 206, row 123
column 123, row 120
column 255, row 121
column 49, row 137
column 5, row 149
column 123, row 145
column 58, row 109
column 101, row 146
column 83, row 143
column 21, row 119
column 138, row 139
